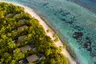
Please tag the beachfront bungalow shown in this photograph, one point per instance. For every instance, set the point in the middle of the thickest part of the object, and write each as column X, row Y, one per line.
column 22, row 27
column 21, row 38
column 25, row 48
column 32, row 58
column 16, row 15
column 29, row 59
column 22, row 21
column 8, row 15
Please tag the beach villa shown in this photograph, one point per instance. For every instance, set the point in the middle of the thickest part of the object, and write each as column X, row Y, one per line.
column 29, row 59
column 21, row 38
column 25, row 48
column 22, row 20
column 32, row 58
column 22, row 27
column 8, row 15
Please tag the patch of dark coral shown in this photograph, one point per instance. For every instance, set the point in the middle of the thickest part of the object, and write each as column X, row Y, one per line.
column 62, row 12
column 77, row 35
column 94, row 62
column 88, row 44
column 69, row 22
column 66, row 21
column 45, row 4
column 78, row 28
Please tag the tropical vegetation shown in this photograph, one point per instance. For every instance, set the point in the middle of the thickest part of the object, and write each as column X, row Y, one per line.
column 13, row 17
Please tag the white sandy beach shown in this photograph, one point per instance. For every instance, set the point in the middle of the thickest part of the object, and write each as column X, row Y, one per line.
column 46, row 27
column 51, row 33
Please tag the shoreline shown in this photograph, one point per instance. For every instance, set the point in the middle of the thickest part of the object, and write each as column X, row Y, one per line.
column 46, row 27
column 61, row 38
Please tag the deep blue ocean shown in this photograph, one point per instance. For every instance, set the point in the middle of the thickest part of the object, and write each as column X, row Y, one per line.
column 75, row 23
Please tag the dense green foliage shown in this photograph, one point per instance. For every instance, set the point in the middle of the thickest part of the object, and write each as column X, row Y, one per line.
column 10, row 21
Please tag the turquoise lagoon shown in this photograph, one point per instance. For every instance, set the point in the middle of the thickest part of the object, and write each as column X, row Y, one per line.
column 89, row 4
column 72, row 22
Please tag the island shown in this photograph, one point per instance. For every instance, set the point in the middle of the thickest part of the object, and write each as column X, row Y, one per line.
column 25, row 40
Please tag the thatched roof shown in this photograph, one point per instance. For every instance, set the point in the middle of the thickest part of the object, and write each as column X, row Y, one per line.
column 8, row 15
column 22, row 27
column 22, row 21
column 21, row 38
column 32, row 58
column 25, row 48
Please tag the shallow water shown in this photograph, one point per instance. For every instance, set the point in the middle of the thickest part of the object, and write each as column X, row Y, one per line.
column 89, row 4
column 72, row 22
